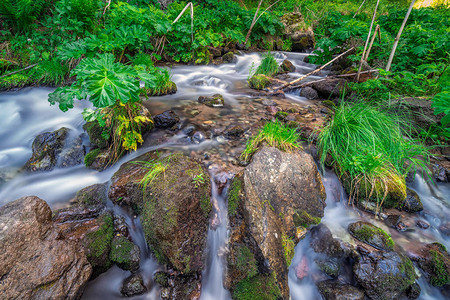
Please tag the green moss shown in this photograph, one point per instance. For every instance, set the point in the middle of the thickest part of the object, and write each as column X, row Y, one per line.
column 440, row 276
column 259, row 82
column 162, row 279
column 14, row 81
column 281, row 115
column 366, row 233
column 245, row 261
column 121, row 250
column 261, row 287
column 91, row 156
column 99, row 242
column 234, row 195
column 302, row 218
column 288, row 246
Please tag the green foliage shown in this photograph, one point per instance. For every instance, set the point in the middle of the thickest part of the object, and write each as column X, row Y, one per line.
column 304, row 219
column 198, row 180
column 370, row 145
column 259, row 82
column 274, row 134
column 268, row 66
column 20, row 14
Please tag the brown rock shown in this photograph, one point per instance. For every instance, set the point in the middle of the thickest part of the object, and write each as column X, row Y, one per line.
column 36, row 262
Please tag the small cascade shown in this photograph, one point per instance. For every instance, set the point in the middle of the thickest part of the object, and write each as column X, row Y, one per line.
column 212, row 283
column 108, row 285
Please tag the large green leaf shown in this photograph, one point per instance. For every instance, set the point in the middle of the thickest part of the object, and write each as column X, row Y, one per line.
column 65, row 96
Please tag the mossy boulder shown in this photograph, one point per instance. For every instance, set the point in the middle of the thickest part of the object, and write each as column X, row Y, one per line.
column 434, row 260
column 260, row 82
column 384, row 275
column 229, row 57
column 175, row 213
column 412, row 202
column 335, row 290
column 286, row 66
column 96, row 138
column 295, row 30
column 372, row 235
column 133, row 286
column 125, row 254
column 262, row 202
column 215, row 100
column 98, row 159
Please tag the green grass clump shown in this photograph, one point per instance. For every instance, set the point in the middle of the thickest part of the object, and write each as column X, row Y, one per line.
column 302, row 218
column 259, row 82
column 371, row 149
column 233, row 195
column 274, row 134
column 155, row 168
column 268, row 66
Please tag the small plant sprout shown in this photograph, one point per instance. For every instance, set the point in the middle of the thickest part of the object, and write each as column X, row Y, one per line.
column 198, row 180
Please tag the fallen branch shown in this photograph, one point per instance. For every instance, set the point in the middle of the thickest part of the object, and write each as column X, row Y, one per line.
column 106, row 7
column 192, row 18
column 357, row 12
column 311, row 73
column 12, row 73
column 377, row 29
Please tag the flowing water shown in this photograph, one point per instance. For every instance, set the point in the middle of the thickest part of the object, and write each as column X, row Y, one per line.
column 26, row 113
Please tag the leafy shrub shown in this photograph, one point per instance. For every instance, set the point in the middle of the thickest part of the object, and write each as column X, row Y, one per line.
column 21, row 13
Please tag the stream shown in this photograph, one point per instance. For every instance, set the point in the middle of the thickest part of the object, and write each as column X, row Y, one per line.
column 26, row 113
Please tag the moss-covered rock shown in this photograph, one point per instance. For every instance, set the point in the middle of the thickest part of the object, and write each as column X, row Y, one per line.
column 302, row 218
column 215, row 100
column 175, row 213
column 96, row 138
column 261, row 287
column 412, row 202
column 98, row 159
column 259, row 82
column 434, row 260
column 96, row 194
column 384, row 275
column 234, row 195
column 125, row 254
column 228, row 57
column 329, row 265
column 372, row 235
column 98, row 244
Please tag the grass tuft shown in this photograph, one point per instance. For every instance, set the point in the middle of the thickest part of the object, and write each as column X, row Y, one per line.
column 372, row 148
column 274, row 134
column 268, row 66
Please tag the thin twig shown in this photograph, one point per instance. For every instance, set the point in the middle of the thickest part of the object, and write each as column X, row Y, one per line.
column 12, row 73
column 106, row 7
column 367, row 40
column 253, row 22
column 372, row 40
column 313, row 72
column 266, row 10
column 357, row 12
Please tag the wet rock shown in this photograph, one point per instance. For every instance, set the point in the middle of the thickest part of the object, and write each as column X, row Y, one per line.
column 98, row 159
column 395, row 221
column 167, row 119
column 198, row 137
column 229, row 57
column 287, row 66
column 72, row 154
column 422, row 224
column 120, row 226
column 96, row 139
column 133, row 286
column 302, row 37
column 93, row 228
column 96, row 194
column 335, row 290
column 440, row 173
column 260, row 82
column 309, row 93
column 125, row 254
column 272, row 109
column 384, row 275
column 36, row 262
column 329, row 265
column 371, row 235
column 330, row 87
column 215, row 100
column 445, row 228
column 412, row 202
column 262, row 203
column 413, row 292
column 234, row 131
column 46, row 149
column 178, row 198
column 161, row 278
column 434, row 260
column 181, row 287
column 322, row 241
column 268, row 102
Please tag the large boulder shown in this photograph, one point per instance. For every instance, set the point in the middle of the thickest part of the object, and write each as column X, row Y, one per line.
column 335, row 290
column 371, row 235
column 37, row 263
column 434, row 260
column 55, row 148
column 384, row 275
column 301, row 36
column 422, row 114
column 268, row 205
